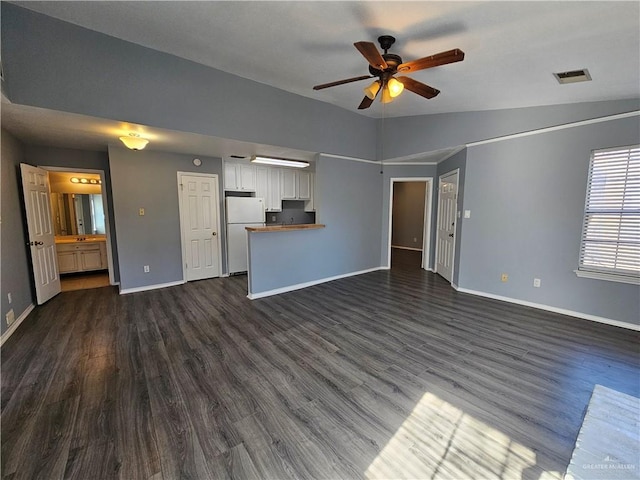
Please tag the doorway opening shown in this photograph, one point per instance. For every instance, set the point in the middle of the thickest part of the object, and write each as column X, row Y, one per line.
column 81, row 227
column 410, row 222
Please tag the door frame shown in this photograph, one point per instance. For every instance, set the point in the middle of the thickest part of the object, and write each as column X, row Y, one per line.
column 426, row 233
column 182, row 210
column 107, row 218
column 455, row 171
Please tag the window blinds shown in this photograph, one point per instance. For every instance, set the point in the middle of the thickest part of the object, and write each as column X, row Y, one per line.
column 611, row 229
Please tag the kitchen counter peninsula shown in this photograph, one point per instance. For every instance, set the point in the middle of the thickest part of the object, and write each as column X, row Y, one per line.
column 285, row 228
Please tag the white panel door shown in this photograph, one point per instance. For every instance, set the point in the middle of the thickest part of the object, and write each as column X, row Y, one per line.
column 200, row 227
column 446, row 235
column 37, row 202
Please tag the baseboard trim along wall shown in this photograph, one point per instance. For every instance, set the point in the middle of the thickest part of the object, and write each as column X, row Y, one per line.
column 406, row 248
column 299, row 286
column 549, row 308
column 157, row 286
column 14, row 326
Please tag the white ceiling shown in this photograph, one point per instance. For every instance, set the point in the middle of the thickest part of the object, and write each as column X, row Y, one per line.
column 512, row 49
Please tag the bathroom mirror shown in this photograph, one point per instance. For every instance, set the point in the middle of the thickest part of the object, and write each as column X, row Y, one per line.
column 77, row 214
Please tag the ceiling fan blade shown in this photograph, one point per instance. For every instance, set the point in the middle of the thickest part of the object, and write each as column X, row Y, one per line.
column 371, row 53
column 341, row 82
column 418, row 87
column 438, row 59
column 365, row 103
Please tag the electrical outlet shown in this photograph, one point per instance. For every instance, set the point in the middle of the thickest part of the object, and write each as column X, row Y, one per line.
column 273, row 218
column 536, row 282
column 9, row 298
column 504, row 277
column 141, row 212
column 10, row 317
column 146, row 269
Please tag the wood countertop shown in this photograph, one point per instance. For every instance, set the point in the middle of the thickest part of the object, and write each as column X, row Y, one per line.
column 285, row 228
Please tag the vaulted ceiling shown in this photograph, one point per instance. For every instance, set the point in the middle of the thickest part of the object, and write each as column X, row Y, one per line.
column 512, row 49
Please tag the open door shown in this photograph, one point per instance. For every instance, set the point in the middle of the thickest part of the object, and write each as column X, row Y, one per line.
column 37, row 202
column 446, row 234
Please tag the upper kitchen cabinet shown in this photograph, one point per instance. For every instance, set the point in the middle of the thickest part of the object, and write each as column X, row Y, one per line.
column 239, row 177
column 296, row 185
column 268, row 188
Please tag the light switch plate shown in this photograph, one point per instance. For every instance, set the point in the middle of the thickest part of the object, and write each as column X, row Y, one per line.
column 467, row 214
column 141, row 212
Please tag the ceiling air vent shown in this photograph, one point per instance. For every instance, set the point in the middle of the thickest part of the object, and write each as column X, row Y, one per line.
column 573, row 76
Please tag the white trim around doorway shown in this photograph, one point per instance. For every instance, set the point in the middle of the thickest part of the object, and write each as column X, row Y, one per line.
column 426, row 234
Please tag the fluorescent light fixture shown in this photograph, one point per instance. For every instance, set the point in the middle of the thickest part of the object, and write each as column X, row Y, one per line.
column 281, row 162
column 134, row 141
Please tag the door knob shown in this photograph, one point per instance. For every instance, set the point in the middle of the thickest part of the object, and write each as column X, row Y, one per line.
column 39, row 243
column 214, row 233
column 451, row 235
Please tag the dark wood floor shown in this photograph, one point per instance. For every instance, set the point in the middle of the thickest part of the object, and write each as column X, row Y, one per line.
column 391, row 374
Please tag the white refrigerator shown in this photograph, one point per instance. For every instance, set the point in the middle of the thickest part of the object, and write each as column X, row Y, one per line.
column 241, row 212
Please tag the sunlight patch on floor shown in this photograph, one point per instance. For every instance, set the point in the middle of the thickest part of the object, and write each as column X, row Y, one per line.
column 438, row 440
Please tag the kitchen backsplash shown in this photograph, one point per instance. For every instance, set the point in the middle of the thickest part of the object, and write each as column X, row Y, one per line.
column 292, row 213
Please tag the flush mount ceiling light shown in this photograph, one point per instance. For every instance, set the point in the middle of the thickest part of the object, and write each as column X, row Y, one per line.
column 281, row 162
column 134, row 141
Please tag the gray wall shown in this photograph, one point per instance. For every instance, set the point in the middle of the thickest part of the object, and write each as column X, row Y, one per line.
column 43, row 156
column 149, row 180
column 348, row 202
column 56, row 65
column 16, row 274
column 408, row 214
column 526, row 197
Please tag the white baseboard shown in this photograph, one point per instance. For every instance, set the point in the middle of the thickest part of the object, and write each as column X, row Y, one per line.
column 299, row 286
column 9, row 331
column 406, row 248
column 549, row 308
column 157, row 286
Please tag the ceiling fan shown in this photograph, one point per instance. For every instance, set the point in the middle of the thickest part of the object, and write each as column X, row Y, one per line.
column 385, row 66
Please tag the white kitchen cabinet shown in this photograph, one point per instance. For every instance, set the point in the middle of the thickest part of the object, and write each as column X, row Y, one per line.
column 304, row 185
column 262, row 185
column 289, row 184
column 274, row 200
column 81, row 257
column 239, row 177
column 309, row 205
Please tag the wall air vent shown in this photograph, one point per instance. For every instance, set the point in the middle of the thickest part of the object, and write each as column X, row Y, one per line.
column 237, row 156
column 573, row 76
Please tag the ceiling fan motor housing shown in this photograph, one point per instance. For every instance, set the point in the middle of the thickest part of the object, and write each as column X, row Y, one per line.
column 392, row 64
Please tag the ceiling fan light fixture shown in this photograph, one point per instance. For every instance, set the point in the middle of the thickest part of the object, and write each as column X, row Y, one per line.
column 134, row 141
column 395, row 87
column 386, row 96
column 372, row 90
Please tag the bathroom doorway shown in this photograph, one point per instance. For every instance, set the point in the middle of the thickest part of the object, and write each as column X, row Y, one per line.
column 81, row 225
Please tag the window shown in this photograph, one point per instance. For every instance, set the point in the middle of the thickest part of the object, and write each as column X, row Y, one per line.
column 610, row 247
